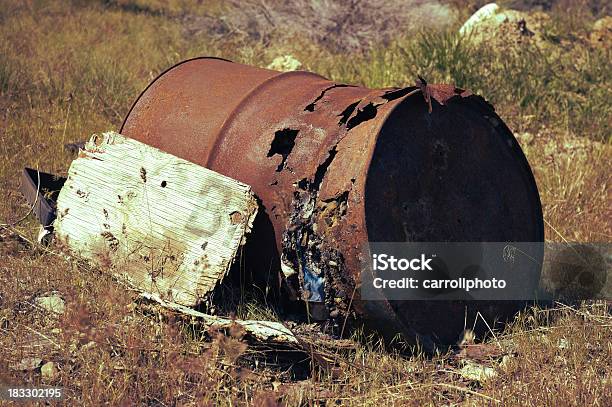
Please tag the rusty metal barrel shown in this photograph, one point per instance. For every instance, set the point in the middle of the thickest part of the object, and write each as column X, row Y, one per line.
column 337, row 165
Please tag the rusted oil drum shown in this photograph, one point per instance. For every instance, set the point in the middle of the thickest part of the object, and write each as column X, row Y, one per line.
column 336, row 166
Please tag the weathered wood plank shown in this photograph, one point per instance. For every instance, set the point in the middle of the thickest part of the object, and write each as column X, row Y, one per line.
column 162, row 224
column 265, row 331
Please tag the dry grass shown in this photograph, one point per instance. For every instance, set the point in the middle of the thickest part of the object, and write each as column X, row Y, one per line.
column 68, row 69
column 111, row 351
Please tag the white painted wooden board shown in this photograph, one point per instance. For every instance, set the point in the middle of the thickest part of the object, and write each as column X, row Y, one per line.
column 164, row 225
column 264, row 331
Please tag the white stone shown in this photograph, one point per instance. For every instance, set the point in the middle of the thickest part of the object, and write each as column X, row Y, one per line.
column 52, row 303
column 476, row 372
column 27, row 364
column 48, row 371
column 483, row 13
column 285, row 63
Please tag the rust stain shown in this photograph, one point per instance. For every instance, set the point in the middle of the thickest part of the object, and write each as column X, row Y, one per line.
column 236, row 218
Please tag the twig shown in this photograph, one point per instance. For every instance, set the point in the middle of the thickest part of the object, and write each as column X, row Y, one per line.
column 466, row 390
column 348, row 311
column 478, row 314
column 41, row 335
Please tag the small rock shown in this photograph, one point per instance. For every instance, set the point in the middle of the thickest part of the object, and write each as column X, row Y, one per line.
column 285, row 63
column 48, row 371
column 26, row 364
column 604, row 23
column 525, row 138
column 476, row 372
column 602, row 32
column 52, row 303
column 483, row 13
column 499, row 27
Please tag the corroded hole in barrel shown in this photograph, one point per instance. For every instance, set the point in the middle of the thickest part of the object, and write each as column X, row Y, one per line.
column 282, row 144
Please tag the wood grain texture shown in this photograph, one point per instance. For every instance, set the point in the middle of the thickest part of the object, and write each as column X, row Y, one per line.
column 263, row 331
column 162, row 224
